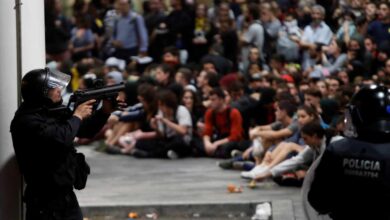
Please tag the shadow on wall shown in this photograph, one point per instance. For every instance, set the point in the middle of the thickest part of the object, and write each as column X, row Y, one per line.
column 10, row 193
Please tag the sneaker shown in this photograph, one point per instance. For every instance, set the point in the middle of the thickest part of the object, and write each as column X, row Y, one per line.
column 243, row 165
column 172, row 155
column 247, row 175
column 249, row 165
column 259, row 171
column 102, row 147
column 226, row 164
column 236, row 153
column 113, row 150
column 254, row 172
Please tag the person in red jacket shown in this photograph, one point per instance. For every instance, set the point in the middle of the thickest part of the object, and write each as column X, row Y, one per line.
column 223, row 127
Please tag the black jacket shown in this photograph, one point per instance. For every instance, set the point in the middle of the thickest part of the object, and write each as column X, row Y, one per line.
column 43, row 143
column 352, row 181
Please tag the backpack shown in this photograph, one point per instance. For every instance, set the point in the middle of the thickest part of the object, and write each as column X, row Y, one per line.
column 216, row 132
column 286, row 47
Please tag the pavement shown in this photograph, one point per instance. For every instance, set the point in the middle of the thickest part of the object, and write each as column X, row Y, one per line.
column 190, row 188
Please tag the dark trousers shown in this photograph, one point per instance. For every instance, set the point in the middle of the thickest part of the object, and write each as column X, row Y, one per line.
column 54, row 206
column 159, row 148
column 126, row 54
column 224, row 150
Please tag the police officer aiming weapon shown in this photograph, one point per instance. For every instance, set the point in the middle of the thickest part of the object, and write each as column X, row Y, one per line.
column 43, row 142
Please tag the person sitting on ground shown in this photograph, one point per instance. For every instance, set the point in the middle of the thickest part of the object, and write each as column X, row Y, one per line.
column 282, row 128
column 205, row 82
column 290, row 146
column 284, row 113
column 243, row 103
column 191, row 101
column 134, row 120
column 312, row 97
column 183, row 77
column 316, row 140
column 173, row 126
column 223, row 127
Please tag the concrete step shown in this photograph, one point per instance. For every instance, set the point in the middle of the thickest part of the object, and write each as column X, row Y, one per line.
column 281, row 210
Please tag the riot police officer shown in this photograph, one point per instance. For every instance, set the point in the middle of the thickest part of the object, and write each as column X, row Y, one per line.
column 43, row 132
column 352, row 180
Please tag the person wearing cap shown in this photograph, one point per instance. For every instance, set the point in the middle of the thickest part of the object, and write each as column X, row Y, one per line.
column 43, row 132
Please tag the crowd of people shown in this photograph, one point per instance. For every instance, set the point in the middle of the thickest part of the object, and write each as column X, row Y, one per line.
column 261, row 84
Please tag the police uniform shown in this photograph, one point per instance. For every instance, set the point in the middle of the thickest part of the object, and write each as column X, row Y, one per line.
column 352, row 179
column 43, row 142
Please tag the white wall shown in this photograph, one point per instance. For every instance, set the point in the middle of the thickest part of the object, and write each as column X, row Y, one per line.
column 33, row 49
column 33, row 35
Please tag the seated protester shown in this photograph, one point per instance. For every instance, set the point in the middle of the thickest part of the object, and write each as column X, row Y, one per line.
column 205, row 82
column 290, row 146
column 223, row 127
column 316, row 141
column 253, row 86
column 243, row 103
column 183, row 77
column 214, row 62
column 327, row 108
column 89, row 81
column 191, row 101
column 284, row 126
column 171, row 57
column 265, row 107
column 137, row 112
column 323, row 87
column 133, row 118
column 254, row 57
column 312, row 97
column 119, row 128
column 165, row 79
column 263, row 137
column 173, row 126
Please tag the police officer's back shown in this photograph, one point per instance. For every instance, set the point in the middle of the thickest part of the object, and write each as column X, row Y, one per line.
column 352, row 180
column 43, row 132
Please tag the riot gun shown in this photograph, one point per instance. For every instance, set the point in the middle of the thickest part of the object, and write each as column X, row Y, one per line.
column 98, row 93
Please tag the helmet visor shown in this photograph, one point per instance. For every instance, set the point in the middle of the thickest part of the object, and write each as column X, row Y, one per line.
column 57, row 79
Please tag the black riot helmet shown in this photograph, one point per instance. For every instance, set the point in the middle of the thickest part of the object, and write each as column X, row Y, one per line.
column 368, row 114
column 36, row 84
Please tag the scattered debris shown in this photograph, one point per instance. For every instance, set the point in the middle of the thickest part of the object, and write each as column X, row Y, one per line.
column 252, row 184
column 196, row 215
column 263, row 211
column 152, row 216
column 234, row 189
column 133, row 215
